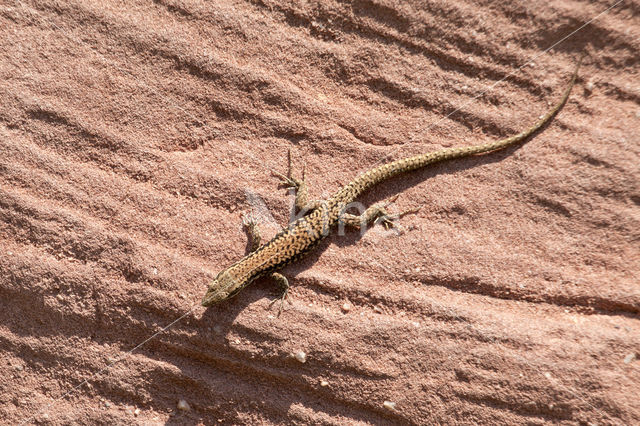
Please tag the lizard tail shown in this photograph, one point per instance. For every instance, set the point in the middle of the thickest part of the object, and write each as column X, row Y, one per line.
column 385, row 171
column 492, row 146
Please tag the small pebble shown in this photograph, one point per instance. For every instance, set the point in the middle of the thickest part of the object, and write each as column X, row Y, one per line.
column 19, row 367
column 389, row 405
column 346, row 307
column 547, row 375
column 183, row 405
column 107, row 404
column 377, row 309
column 324, row 383
column 301, row 356
column 589, row 86
column 629, row 358
column 136, row 412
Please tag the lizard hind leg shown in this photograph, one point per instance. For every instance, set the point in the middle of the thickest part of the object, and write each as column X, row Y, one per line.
column 301, row 203
column 376, row 213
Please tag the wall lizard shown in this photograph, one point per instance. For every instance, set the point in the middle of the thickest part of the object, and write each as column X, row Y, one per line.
column 305, row 233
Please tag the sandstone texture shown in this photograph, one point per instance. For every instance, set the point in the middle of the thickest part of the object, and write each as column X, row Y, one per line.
column 135, row 134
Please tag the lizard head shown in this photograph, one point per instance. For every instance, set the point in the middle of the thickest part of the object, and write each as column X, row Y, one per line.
column 221, row 288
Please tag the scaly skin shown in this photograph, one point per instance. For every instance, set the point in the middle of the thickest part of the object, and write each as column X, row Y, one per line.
column 305, row 233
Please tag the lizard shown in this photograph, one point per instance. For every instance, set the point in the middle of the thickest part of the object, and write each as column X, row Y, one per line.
column 303, row 234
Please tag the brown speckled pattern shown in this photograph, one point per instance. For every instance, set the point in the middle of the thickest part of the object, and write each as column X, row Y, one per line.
column 306, row 232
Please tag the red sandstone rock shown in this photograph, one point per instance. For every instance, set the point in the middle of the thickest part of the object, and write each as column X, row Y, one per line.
column 133, row 135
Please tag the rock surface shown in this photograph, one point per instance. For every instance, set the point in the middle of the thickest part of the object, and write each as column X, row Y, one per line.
column 134, row 135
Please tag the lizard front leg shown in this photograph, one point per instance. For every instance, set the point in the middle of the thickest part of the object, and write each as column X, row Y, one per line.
column 283, row 282
column 249, row 222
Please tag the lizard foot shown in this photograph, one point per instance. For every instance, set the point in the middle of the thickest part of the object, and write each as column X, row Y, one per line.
column 287, row 181
column 388, row 221
column 284, row 296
